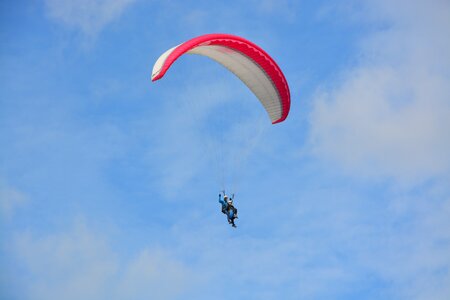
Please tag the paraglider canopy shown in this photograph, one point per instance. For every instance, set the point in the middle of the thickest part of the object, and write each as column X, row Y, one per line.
column 246, row 60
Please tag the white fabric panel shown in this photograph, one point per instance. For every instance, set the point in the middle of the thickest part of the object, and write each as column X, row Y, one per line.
column 249, row 72
column 160, row 62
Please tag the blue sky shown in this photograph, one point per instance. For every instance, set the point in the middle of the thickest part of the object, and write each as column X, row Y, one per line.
column 107, row 183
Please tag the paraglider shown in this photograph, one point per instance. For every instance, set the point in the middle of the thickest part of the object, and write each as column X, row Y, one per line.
column 228, row 208
column 251, row 64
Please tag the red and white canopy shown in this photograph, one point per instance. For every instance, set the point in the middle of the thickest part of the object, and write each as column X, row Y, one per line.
column 246, row 60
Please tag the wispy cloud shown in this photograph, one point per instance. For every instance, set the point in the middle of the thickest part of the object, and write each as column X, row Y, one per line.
column 336, row 248
column 10, row 199
column 412, row 245
column 87, row 16
column 388, row 116
column 154, row 272
column 80, row 263
column 286, row 9
column 74, row 264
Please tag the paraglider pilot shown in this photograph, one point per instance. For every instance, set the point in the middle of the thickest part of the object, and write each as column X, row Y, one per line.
column 228, row 208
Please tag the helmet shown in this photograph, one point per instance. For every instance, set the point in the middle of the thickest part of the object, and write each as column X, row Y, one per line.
column 225, row 197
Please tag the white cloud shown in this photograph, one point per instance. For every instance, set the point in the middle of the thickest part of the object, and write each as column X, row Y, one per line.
column 287, row 9
column 155, row 273
column 412, row 247
column 81, row 264
column 72, row 265
column 389, row 115
column 316, row 250
column 88, row 16
column 10, row 199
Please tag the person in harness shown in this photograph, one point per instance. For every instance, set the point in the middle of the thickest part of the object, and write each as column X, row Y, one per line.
column 228, row 208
